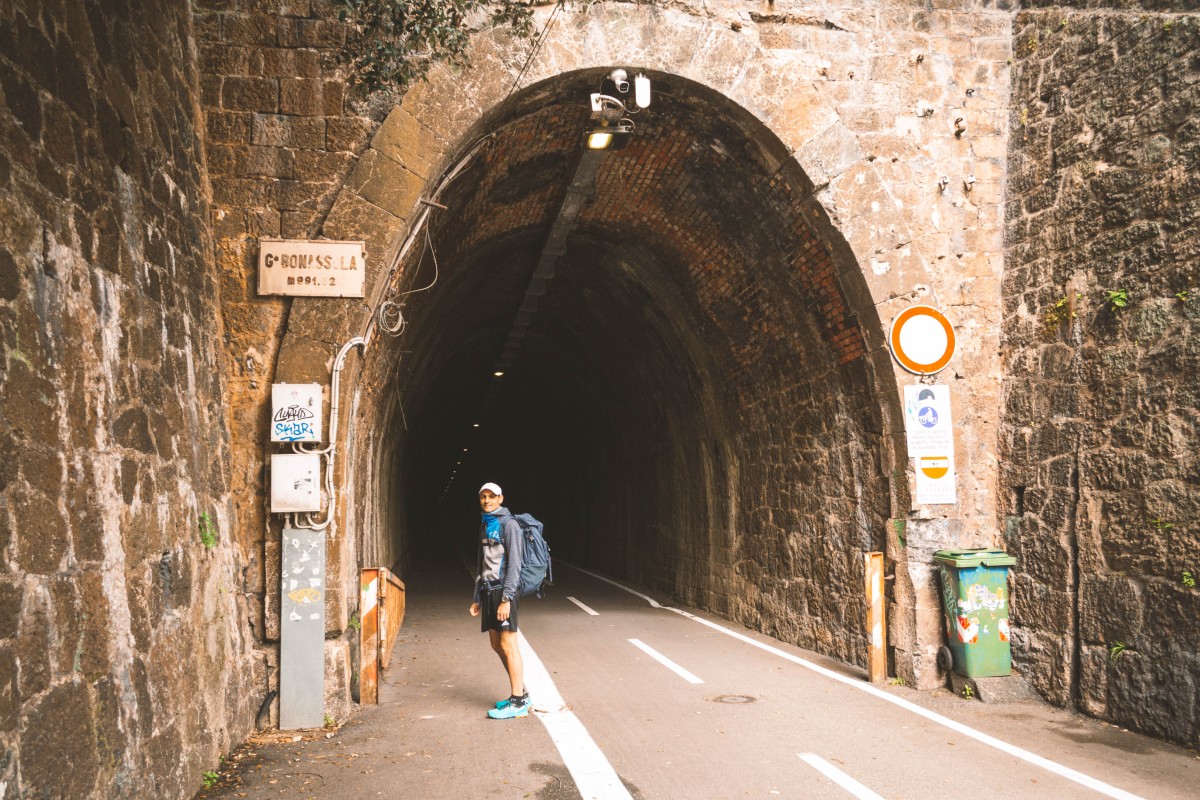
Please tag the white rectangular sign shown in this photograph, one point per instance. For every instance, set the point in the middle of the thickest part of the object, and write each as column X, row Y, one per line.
column 930, row 434
column 935, row 480
column 311, row 268
column 927, row 420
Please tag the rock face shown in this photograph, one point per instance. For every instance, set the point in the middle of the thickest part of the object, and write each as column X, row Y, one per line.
column 125, row 664
column 1100, row 466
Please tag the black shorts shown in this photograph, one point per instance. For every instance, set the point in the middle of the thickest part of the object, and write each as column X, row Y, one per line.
column 489, row 601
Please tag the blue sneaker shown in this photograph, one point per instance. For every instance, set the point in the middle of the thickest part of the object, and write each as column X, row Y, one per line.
column 510, row 711
column 506, row 702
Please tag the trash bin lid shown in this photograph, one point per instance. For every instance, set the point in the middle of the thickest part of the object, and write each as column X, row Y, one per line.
column 977, row 557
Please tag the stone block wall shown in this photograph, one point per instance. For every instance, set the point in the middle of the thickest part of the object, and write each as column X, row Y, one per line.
column 281, row 138
column 1101, row 425
column 125, row 662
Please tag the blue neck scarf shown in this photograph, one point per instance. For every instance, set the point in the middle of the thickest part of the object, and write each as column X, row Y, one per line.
column 492, row 524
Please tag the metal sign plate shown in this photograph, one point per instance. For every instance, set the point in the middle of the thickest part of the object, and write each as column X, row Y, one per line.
column 311, row 267
column 922, row 340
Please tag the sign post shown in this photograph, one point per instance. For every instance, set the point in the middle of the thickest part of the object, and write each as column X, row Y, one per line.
column 302, row 630
column 876, row 621
column 922, row 342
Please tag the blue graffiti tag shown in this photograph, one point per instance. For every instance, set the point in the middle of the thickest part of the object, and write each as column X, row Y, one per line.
column 294, row 431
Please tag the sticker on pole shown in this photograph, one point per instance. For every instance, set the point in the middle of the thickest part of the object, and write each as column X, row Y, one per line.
column 922, row 340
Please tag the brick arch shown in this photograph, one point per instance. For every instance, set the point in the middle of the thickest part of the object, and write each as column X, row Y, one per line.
column 420, row 138
column 852, row 208
column 424, row 134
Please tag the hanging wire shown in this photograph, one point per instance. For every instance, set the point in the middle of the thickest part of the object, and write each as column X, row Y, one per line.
column 537, row 46
column 390, row 317
column 433, row 254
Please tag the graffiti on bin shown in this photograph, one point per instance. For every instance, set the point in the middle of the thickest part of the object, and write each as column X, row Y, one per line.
column 964, row 611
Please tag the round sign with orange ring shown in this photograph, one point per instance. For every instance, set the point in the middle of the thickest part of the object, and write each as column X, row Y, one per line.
column 922, row 340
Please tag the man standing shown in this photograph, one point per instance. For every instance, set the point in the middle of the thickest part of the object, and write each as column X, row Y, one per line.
column 501, row 551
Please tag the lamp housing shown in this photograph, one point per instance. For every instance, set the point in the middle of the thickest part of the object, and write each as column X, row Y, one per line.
column 641, row 91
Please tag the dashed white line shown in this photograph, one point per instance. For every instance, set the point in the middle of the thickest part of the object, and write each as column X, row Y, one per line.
column 585, row 608
column 840, row 778
column 932, row 716
column 594, row 776
column 666, row 662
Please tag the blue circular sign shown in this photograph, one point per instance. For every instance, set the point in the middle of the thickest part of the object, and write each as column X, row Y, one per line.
column 927, row 417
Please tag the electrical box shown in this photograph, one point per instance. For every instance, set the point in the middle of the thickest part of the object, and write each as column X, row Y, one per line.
column 296, row 412
column 295, row 482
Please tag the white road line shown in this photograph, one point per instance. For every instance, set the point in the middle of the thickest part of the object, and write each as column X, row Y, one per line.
column 666, row 662
column 840, row 778
column 585, row 608
column 648, row 599
column 593, row 775
column 932, row 716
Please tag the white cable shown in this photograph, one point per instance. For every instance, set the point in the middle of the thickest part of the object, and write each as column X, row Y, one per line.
column 391, row 318
column 428, row 244
column 330, row 451
column 388, row 317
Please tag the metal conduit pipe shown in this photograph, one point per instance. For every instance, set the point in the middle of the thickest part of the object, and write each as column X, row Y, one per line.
column 330, row 451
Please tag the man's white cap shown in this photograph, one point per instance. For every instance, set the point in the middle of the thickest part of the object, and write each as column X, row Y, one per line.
column 491, row 487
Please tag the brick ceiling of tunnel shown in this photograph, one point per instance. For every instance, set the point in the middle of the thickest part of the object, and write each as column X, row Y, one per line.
column 696, row 191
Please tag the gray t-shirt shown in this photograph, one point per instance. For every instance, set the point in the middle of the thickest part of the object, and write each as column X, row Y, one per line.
column 501, row 554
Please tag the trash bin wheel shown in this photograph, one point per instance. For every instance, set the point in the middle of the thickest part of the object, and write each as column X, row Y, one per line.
column 945, row 659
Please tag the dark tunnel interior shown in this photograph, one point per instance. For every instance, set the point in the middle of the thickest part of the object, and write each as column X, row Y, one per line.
column 690, row 407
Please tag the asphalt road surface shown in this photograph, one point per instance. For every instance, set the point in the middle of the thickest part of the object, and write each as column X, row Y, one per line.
column 636, row 698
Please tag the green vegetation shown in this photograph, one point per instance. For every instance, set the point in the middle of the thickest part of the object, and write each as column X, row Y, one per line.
column 354, row 622
column 1062, row 310
column 391, row 44
column 330, row 722
column 1182, row 296
column 1116, row 299
column 1162, row 524
column 968, row 692
column 1189, row 579
column 208, row 531
column 1115, row 650
column 211, row 779
column 898, row 526
column 897, row 681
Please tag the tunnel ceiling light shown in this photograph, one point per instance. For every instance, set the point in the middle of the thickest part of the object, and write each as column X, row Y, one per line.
column 610, row 137
column 599, row 140
column 499, row 374
column 476, row 425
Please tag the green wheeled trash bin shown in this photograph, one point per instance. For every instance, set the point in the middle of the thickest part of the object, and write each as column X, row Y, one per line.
column 975, row 598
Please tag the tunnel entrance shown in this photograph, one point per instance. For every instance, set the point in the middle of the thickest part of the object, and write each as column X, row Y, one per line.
column 690, row 407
